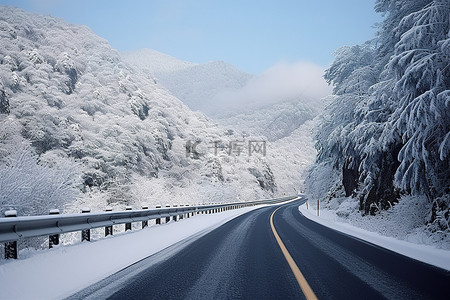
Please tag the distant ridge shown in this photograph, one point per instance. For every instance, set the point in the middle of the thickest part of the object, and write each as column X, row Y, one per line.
column 155, row 62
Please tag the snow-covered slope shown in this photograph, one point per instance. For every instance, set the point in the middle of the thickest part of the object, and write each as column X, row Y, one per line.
column 274, row 121
column 84, row 120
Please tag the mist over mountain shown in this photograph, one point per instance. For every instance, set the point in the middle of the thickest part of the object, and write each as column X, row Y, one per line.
column 273, row 104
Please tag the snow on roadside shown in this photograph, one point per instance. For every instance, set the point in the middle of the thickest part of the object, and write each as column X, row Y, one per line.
column 62, row 271
column 424, row 253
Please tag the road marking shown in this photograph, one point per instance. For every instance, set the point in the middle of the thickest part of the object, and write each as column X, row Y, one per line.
column 307, row 291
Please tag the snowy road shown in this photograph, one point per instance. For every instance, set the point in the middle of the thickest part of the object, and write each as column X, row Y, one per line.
column 243, row 260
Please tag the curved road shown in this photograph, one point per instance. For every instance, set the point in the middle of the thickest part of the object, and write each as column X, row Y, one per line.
column 243, row 260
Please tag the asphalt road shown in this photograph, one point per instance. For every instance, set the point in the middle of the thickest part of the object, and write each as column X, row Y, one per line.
column 243, row 260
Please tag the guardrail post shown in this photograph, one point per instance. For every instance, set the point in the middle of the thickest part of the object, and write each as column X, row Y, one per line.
column 168, row 218
column 158, row 220
column 108, row 229
column 11, row 247
column 85, row 234
column 317, row 207
column 175, row 218
column 188, row 213
column 53, row 240
column 182, row 213
column 144, row 223
column 128, row 225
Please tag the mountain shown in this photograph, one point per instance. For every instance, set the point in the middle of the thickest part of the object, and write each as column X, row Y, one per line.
column 197, row 85
column 212, row 88
column 82, row 127
column 284, row 124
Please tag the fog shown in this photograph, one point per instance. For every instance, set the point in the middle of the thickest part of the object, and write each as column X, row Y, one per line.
column 284, row 81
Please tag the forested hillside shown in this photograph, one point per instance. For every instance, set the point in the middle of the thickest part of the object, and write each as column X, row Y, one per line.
column 386, row 136
column 79, row 124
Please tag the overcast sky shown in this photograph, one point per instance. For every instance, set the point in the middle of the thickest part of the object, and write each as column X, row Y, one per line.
column 252, row 35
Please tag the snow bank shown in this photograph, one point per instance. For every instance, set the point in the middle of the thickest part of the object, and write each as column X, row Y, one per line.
column 62, row 271
column 424, row 253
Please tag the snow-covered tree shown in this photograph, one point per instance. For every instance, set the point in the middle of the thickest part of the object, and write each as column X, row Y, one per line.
column 388, row 131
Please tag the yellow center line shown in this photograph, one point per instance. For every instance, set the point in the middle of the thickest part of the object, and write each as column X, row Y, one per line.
column 307, row 291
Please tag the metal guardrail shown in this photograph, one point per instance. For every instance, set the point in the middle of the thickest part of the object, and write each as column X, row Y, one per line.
column 13, row 229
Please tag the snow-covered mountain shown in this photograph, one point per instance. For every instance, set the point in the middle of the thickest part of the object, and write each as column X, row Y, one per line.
column 284, row 123
column 75, row 117
column 210, row 88
column 197, row 85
